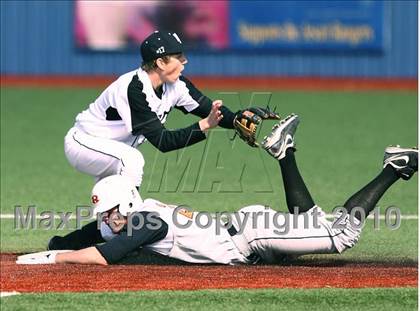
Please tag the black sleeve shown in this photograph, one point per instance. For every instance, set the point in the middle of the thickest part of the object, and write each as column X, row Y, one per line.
column 146, row 122
column 204, row 107
column 88, row 235
column 150, row 232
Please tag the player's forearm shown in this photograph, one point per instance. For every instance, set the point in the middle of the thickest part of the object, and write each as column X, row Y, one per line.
column 88, row 255
column 228, row 116
column 87, row 236
column 167, row 140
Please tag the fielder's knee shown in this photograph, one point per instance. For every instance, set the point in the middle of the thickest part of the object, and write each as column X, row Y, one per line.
column 132, row 164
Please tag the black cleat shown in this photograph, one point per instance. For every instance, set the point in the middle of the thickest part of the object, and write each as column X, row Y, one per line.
column 403, row 160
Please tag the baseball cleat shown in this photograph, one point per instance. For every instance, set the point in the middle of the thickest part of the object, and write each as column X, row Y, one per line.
column 281, row 137
column 403, row 160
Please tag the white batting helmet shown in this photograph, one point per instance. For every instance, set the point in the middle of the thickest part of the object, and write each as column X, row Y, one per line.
column 113, row 191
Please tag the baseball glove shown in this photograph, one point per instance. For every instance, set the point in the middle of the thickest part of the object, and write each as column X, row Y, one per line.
column 246, row 123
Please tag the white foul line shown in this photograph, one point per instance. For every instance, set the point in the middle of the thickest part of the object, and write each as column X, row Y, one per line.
column 330, row 216
column 6, row 294
column 12, row 216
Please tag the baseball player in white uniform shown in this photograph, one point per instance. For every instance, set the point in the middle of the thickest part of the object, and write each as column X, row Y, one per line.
column 134, row 108
column 254, row 234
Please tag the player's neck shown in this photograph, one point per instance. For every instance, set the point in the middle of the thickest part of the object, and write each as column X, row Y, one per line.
column 155, row 79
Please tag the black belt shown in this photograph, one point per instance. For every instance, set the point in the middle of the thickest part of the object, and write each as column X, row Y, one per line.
column 232, row 231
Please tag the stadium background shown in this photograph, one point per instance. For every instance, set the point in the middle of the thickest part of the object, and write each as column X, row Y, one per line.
column 362, row 102
column 37, row 38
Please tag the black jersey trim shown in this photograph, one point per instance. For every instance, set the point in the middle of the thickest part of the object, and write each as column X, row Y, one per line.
column 112, row 114
column 194, row 92
column 135, row 139
column 145, row 121
column 159, row 92
column 139, row 106
column 121, row 245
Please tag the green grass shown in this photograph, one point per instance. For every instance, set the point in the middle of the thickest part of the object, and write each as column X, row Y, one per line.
column 279, row 299
column 340, row 146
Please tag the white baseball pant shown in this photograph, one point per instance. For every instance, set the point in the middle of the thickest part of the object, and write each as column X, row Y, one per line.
column 101, row 157
column 273, row 235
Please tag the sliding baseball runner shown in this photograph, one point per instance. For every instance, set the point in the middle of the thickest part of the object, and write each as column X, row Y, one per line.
column 254, row 234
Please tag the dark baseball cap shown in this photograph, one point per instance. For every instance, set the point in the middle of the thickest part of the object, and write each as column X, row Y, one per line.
column 160, row 43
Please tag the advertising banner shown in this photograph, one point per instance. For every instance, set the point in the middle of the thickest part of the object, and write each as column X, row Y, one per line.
column 233, row 25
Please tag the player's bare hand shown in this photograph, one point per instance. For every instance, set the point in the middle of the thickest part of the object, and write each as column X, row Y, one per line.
column 213, row 118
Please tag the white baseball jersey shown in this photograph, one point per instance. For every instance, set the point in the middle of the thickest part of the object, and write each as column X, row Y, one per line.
column 261, row 234
column 194, row 243
column 129, row 108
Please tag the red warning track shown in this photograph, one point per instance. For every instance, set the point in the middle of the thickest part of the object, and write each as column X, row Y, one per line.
column 259, row 83
column 90, row 278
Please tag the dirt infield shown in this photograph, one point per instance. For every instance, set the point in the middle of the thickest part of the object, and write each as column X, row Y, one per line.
column 230, row 83
column 90, row 278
